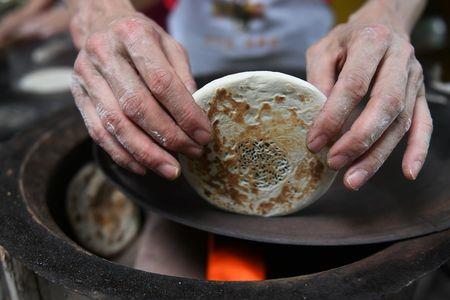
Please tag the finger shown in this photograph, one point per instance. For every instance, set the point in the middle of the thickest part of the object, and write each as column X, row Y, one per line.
column 99, row 134
column 418, row 139
column 136, row 142
column 135, row 100
column 363, row 58
column 387, row 101
column 178, row 58
column 321, row 67
column 366, row 166
column 144, row 47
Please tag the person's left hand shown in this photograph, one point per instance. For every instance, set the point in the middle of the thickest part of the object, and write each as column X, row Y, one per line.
column 376, row 59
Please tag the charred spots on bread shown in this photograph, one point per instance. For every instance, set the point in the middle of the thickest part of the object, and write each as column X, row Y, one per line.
column 257, row 161
column 264, row 111
column 254, row 159
column 317, row 169
column 265, row 207
column 223, row 102
column 279, row 99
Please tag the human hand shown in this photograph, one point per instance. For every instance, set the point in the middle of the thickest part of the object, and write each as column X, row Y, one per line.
column 374, row 58
column 132, row 85
column 45, row 24
column 16, row 24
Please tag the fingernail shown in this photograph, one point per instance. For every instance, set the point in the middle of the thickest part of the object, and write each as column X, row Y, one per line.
column 202, row 136
column 168, row 171
column 415, row 169
column 136, row 168
column 194, row 151
column 317, row 143
column 356, row 179
column 338, row 161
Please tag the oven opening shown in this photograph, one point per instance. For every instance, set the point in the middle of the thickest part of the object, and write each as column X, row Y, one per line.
column 162, row 246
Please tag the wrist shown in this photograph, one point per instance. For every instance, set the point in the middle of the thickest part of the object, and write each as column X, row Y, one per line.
column 89, row 16
column 94, row 14
column 397, row 14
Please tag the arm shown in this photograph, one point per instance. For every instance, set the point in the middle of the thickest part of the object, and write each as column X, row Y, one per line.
column 89, row 16
column 399, row 13
column 371, row 55
column 11, row 25
column 132, row 85
column 86, row 15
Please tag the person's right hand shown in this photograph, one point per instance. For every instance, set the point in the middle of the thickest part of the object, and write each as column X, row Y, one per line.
column 132, row 85
column 21, row 23
column 47, row 23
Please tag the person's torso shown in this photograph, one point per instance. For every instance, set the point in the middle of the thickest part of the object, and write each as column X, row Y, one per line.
column 233, row 35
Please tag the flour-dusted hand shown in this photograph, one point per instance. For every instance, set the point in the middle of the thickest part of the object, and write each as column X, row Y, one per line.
column 374, row 58
column 132, row 85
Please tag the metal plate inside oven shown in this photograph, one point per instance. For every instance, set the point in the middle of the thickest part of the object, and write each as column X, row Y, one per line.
column 388, row 208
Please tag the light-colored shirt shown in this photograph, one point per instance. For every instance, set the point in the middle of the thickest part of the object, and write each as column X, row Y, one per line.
column 231, row 36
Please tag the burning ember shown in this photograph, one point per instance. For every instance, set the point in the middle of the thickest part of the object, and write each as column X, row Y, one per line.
column 233, row 260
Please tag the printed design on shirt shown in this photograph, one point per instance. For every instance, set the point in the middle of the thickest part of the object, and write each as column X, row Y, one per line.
column 240, row 11
column 250, row 20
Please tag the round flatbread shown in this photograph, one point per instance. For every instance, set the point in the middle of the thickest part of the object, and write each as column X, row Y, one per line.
column 46, row 81
column 103, row 219
column 257, row 161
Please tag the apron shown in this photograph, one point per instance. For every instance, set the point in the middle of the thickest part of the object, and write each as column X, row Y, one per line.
column 224, row 36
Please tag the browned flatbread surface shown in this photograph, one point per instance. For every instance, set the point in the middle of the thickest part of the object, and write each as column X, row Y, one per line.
column 257, row 161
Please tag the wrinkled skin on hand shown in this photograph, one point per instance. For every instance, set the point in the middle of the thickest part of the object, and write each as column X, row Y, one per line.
column 132, row 85
column 374, row 59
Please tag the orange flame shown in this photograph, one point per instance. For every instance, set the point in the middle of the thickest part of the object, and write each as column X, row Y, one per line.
column 233, row 260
